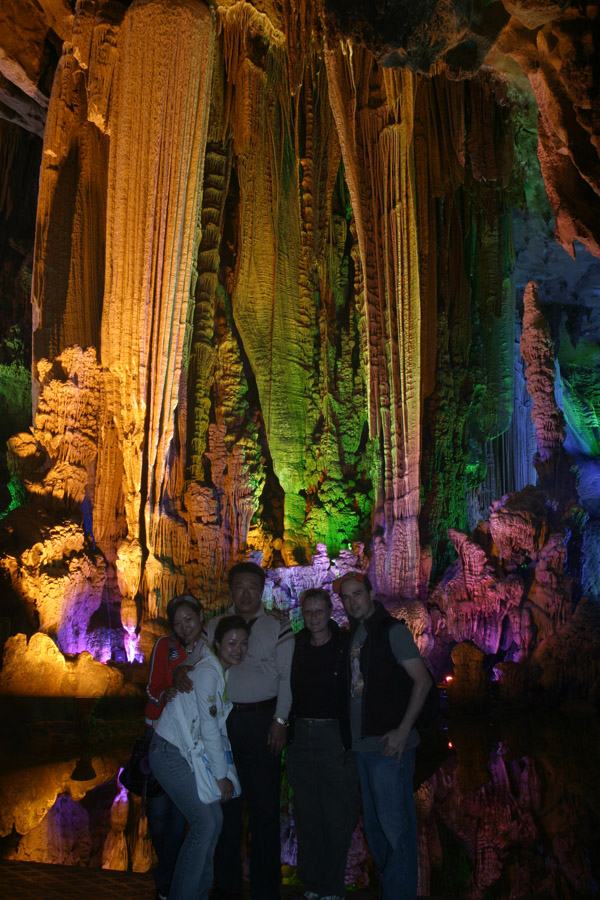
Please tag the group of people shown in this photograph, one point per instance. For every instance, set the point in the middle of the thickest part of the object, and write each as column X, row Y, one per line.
column 345, row 702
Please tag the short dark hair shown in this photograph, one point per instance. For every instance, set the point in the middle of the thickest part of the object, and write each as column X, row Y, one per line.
column 229, row 623
column 246, row 568
column 183, row 600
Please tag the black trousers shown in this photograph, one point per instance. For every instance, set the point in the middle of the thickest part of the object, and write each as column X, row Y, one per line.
column 260, row 776
column 324, row 779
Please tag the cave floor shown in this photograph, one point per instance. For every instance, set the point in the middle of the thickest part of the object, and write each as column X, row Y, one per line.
column 32, row 881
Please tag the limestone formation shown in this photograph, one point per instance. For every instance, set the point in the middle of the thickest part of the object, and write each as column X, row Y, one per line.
column 537, row 350
column 468, row 688
column 510, row 588
column 274, row 309
column 48, row 810
column 29, row 794
column 517, row 809
column 37, row 668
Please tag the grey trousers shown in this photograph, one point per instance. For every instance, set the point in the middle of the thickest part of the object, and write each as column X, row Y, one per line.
column 324, row 779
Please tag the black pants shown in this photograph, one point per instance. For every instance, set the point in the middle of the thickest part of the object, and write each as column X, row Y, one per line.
column 324, row 779
column 260, row 775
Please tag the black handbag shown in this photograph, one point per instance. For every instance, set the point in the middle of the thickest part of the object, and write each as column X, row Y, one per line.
column 136, row 775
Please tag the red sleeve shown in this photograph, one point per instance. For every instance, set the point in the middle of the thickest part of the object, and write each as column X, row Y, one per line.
column 159, row 677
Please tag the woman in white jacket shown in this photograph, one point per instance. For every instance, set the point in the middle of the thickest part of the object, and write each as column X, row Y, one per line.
column 190, row 724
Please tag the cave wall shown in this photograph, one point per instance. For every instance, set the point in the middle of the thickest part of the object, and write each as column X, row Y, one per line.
column 273, row 293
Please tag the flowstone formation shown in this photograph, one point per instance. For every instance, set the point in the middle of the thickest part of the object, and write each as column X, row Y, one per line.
column 273, row 306
column 512, row 596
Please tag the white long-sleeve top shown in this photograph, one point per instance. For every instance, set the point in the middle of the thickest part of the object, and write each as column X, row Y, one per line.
column 265, row 671
column 200, row 716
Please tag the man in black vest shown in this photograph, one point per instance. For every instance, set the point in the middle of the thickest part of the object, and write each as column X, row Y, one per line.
column 388, row 686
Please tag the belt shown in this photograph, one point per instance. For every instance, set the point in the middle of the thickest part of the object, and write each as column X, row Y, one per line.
column 304, row 720
column 249, row 707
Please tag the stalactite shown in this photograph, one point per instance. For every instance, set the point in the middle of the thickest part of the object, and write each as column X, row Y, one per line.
column 68, row 275
column 375, row 124
column 313, row 424
column 336, row 460
column 202, row 355
column 560, row 65
column 217, row 172
column 154, row 199
column 508, row 457
column 274, row 318
column 468, row 235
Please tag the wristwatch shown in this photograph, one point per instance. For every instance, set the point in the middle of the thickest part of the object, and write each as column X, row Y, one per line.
column 281, row 721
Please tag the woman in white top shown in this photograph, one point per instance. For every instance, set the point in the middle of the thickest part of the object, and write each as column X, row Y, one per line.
column 187, row 724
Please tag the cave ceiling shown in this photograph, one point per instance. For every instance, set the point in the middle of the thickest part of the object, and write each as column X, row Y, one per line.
column 548, row 48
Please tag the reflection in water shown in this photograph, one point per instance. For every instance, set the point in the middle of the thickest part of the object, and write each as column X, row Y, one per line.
column 512, row 812
column 515, row 811
column 48, row 813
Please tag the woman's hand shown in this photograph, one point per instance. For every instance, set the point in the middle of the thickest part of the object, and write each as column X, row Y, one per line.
column 169, row 694
column 226, row 788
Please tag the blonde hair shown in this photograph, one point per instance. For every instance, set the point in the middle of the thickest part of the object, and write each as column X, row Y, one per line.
column 317, row 594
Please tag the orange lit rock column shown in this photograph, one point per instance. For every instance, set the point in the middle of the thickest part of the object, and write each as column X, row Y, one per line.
column 158, row 127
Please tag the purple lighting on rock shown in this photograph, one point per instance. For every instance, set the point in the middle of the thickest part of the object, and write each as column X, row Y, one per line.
column 131, row 645
column 123, row 794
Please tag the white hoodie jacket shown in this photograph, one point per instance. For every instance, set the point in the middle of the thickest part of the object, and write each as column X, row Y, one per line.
column 195, row 722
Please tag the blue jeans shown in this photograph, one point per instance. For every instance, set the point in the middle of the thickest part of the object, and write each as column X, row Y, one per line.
column 193, row 874
column 390, row 820
column 167, row 829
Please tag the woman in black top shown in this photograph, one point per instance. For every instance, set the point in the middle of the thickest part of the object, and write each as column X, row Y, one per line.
column 321, row 768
